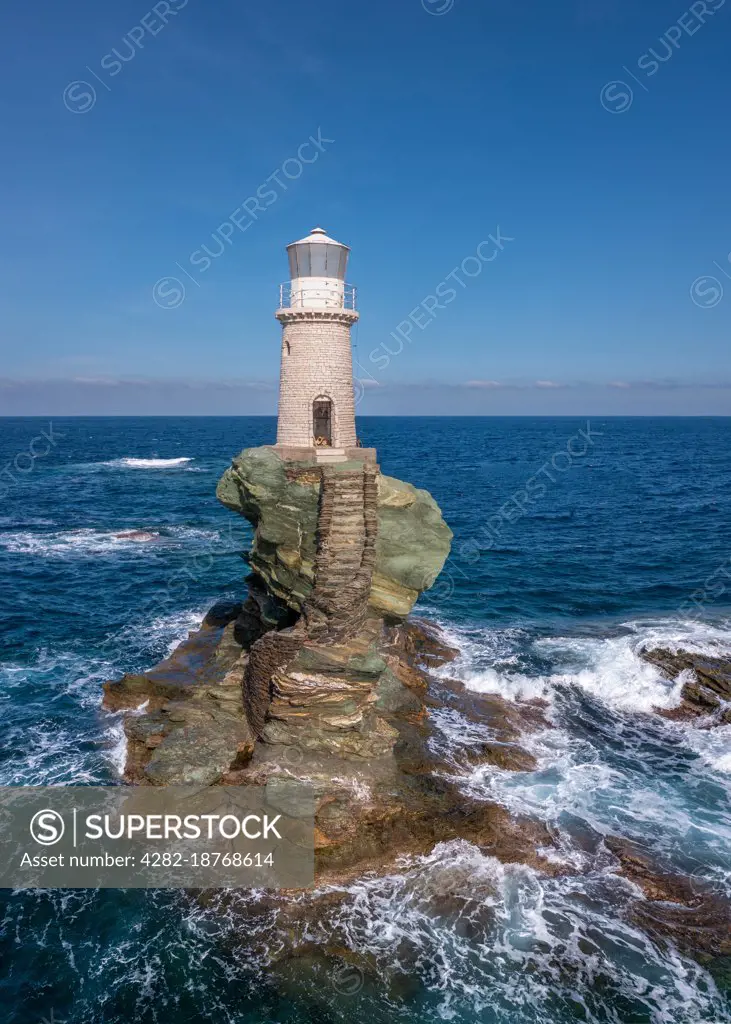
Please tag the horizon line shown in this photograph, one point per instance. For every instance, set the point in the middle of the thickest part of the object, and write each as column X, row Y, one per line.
column 382, row 416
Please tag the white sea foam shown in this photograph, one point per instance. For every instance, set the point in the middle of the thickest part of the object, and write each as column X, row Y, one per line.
column 156, row 637
column 51, row 756
column 117, row 738
column 117, row 745
column 173, row 629
column 599, row 762
column 193, row 533
column 459, row 731
column 713, row 746
column 53, row 732
column 513, row 686
column 608, row 668
column 130, row 463
column 611, row 670
column 84, row 543
column 505, row 941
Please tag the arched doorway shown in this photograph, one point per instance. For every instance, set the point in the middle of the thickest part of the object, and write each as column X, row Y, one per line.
column 322, row 422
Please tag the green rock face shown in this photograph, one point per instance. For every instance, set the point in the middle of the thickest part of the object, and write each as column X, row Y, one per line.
column 280, row 499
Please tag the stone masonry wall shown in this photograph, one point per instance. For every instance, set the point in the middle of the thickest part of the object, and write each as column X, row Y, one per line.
column 317, row 362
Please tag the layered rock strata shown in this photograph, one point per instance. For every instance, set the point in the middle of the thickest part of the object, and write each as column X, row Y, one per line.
column 280, row 496
column 706, row 683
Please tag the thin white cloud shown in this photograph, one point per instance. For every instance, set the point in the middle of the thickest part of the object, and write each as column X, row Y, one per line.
column 96, row 380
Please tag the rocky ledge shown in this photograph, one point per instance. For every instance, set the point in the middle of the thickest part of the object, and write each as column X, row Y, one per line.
column 706, row 683
column 354, row 720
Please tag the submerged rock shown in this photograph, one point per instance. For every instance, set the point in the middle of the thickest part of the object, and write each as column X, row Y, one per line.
column 682, row 909
column 137, row 536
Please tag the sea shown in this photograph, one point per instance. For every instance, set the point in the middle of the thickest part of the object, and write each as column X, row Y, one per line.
column 576, row 543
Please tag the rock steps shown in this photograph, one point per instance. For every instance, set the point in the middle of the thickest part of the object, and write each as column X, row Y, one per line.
column 347, row 526
column 336, row 608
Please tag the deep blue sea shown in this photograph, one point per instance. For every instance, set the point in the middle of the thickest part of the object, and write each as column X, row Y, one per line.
column 575, row 543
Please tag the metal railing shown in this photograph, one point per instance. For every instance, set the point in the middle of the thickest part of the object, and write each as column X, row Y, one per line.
column 317, row 298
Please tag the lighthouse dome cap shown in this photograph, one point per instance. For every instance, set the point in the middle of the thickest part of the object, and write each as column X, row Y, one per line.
column 317, row 235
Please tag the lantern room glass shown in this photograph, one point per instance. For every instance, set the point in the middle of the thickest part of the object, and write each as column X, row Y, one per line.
column 318, row 259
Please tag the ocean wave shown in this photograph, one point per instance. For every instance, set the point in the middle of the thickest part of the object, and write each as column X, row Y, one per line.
column 606, row 669
column 505, row 941
column 7, row 522
column 88, row 542
column 156, row 636
column 609, row 668
column 76, row 542
column 713, row 746
column 677, row 811
column 116, row 737
column 605, row 761
column 473, row 938
column 132, row 463
column 48, row 755
column 173, row 629
column 52, row 734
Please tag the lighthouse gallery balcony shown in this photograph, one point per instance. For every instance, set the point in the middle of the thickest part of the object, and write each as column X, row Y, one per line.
column 335, row 295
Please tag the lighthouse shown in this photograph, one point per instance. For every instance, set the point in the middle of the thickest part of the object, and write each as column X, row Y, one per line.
column 316, row 311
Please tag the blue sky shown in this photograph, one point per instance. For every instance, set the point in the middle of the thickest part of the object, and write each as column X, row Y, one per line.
column 435, row 123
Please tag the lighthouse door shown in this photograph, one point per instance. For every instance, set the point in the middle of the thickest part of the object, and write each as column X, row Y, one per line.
column 322, row 421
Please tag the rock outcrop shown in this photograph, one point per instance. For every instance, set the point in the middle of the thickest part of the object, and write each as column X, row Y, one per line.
column 281, row 498
column 193, row 728
column 352, row 719
column 706, row 688
column 318, row 675
column 335, row 562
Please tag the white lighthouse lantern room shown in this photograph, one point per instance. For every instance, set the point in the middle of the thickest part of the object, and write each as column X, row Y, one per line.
column 317, row 311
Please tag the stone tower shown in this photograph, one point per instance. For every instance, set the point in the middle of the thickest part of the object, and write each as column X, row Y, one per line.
column 316, row 311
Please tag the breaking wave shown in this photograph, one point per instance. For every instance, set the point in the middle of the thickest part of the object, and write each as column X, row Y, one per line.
column 88, row 542
column 518, row 666
column 505, row 942
column 605, row 761
column 130, row 463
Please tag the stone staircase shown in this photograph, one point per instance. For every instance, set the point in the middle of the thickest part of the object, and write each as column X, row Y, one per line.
column 337, row 605
column 346, row 553
column 268, row 655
